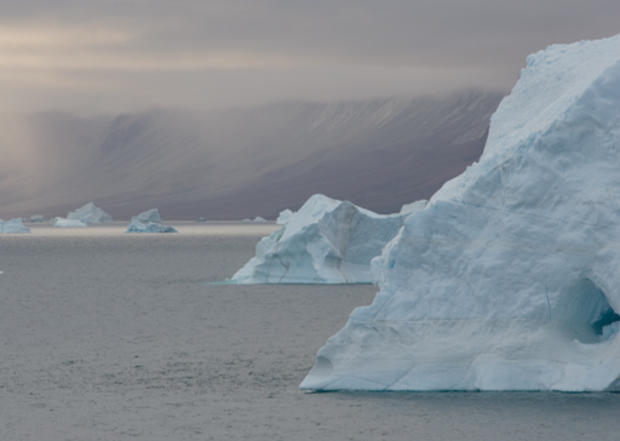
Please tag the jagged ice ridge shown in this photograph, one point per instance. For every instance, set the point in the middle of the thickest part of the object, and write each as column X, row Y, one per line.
column 325, row 241
column 149, row 222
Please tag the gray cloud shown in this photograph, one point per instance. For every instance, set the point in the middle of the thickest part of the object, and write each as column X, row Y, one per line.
column 116, row 55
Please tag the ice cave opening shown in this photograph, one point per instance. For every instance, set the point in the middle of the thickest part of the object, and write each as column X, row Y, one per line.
column 585, row 313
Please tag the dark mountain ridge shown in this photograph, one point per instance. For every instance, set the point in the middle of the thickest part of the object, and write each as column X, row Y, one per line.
column 238, row 163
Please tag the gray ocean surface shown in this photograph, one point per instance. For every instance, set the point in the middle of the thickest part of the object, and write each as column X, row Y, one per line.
column 111, row 336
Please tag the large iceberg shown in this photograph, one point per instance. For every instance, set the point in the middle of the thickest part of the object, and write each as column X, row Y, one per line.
column 325, row 241
column 149, row 222
column 508, row 278
column 90, row 214
column 13, row 226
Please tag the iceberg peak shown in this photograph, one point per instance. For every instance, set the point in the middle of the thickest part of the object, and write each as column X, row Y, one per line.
column 151, row 215
column 90, row 214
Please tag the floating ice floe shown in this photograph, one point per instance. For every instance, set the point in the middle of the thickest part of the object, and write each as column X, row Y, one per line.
column 62, row 222
column 13, row 226
column 326, row 241
column 90, row 214
column 149, row 222
column 508, row 279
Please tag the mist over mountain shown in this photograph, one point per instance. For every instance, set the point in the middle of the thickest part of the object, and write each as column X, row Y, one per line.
column 230, row 164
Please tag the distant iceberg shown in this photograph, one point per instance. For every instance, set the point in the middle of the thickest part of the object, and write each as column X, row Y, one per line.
column 61, row 222
column 90, row 214
column 256, row 220
column 37, row 218
column 149, row 222
column 149, row 227
column 326, row 241
column 508, row 279
column 151, row 215
column 13, row 226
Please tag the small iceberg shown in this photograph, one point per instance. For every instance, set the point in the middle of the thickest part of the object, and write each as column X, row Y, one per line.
column 61, row 222
column 37, row 218
column 90, row 214
column 13, row 226
column 149, row 222
column 256, row 220
column 326, row 241
column 149, row 227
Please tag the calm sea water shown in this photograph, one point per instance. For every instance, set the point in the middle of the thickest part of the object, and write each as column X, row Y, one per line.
column 110, row 336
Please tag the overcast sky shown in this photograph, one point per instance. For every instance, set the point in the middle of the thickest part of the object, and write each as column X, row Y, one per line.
column 120, row 55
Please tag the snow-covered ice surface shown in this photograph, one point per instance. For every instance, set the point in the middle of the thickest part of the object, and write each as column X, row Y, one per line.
column 508, row 279
column 149, row 222
column 13, row 226
column 90, row 214
column 284, row 216
column 413, row 206
column 325, row 241
column 109, row 336
column 61, row 222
